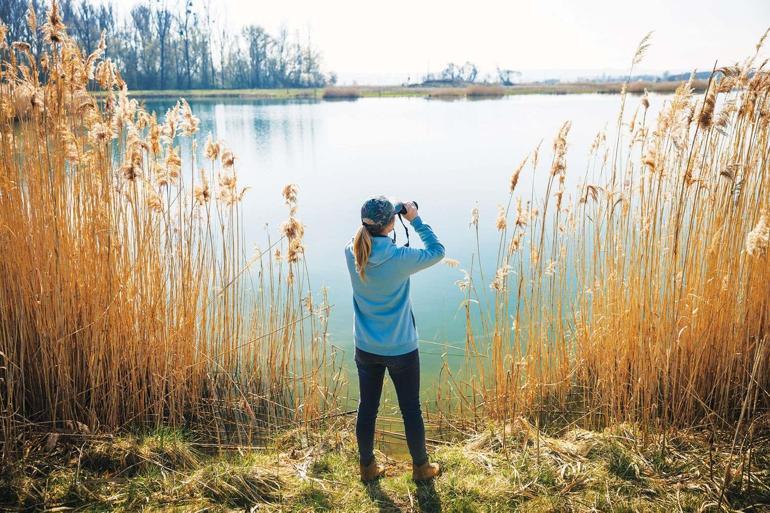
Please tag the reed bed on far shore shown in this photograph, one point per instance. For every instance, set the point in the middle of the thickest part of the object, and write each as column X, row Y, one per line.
column 485, row 91
column 645, row 294
column 341, row 93
column 124, row 297
column 446, row 93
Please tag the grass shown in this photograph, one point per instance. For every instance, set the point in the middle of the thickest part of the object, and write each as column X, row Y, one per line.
column 512, row 469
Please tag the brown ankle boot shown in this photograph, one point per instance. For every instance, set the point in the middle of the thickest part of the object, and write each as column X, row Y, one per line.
column 372, row 471
column 425, row 471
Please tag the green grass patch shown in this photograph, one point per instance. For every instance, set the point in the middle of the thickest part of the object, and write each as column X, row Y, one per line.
column 301, row 472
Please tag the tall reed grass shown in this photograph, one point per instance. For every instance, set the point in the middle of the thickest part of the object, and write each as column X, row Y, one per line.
column 127, row 295
column 645, row 294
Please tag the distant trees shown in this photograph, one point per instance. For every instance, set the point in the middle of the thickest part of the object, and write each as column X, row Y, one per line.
column 506, row 77
column 453, row 73
column 14, row 14
column 468, row 73
column 87, row 21
column 163, row 19
column 158, row 46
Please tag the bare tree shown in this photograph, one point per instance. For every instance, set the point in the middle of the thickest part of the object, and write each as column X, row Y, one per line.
column 84, row 24
column 141, row 41
column 163, row 20
column 257, row 41
column 469, row 72
column 224, row 46
column 507, row 76
column 450, row 72
column 207, row 46
column 188, row 20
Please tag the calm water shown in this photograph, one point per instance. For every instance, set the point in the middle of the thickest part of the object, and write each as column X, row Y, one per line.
column 448, row 156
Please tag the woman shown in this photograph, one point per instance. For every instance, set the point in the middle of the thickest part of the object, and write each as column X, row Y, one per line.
column 385, row 331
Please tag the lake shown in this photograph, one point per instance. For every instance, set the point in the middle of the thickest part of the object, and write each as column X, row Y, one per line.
column 448, row 156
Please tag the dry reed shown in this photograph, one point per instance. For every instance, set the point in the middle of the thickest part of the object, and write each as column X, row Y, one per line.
column 341, row 93
column 123, row 271
column 485, row 91
column 645, row 296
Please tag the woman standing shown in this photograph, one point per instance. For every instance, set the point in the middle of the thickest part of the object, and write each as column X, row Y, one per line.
column 385, row 331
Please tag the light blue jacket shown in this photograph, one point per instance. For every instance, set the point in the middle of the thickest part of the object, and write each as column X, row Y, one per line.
column 384, row 323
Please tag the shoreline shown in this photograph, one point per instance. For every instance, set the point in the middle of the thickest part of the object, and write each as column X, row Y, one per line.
column 443, row 93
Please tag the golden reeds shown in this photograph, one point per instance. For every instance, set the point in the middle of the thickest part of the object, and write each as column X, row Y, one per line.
column 123, row 299
column 648, row 299
column 485, row 91
column 123, row 296
column 341, row 93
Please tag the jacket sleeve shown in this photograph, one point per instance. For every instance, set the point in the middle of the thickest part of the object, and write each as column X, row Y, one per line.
column 349, row 258
column 411, row 260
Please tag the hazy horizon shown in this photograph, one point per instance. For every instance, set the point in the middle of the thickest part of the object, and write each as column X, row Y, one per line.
column 527, row 75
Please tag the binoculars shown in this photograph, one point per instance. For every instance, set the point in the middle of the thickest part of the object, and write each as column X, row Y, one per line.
column 401, row 208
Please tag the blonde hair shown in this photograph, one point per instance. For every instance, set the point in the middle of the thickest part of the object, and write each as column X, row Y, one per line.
column 362, row 248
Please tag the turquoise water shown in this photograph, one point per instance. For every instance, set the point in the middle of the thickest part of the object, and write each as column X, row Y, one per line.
column 449, row 156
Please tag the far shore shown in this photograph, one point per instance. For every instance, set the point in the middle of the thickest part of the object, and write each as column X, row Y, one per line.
column 472, row 91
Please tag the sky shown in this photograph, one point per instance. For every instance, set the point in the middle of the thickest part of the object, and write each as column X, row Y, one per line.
column 410, row 37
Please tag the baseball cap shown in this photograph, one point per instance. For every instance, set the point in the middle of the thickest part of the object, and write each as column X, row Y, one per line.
column 377, row 212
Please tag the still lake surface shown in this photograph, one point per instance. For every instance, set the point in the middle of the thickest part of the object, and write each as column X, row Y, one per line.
column 448, row 156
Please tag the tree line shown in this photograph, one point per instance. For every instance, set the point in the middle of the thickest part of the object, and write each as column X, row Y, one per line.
column 185, row 46
column 468, row 73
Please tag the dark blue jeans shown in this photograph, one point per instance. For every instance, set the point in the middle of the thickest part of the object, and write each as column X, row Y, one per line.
column 404, row 371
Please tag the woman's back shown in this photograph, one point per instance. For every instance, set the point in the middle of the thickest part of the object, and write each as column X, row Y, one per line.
column 384, row 322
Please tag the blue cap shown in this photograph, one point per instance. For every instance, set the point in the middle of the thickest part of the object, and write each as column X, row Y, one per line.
column 377, row 213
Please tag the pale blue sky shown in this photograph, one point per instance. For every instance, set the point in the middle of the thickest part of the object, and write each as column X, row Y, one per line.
column 412, row 36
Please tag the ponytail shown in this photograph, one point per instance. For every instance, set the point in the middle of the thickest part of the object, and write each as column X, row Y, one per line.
column 362, row 248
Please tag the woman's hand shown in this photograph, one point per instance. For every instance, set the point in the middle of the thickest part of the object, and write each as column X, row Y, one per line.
column 411, row 210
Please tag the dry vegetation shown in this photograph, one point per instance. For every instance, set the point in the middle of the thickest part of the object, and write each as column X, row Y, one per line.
column 514, row 469
column 341, row 93
column 471, row 92
column 127, row 296
column 446, row 93
column 485, row 91
column 645, row 296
